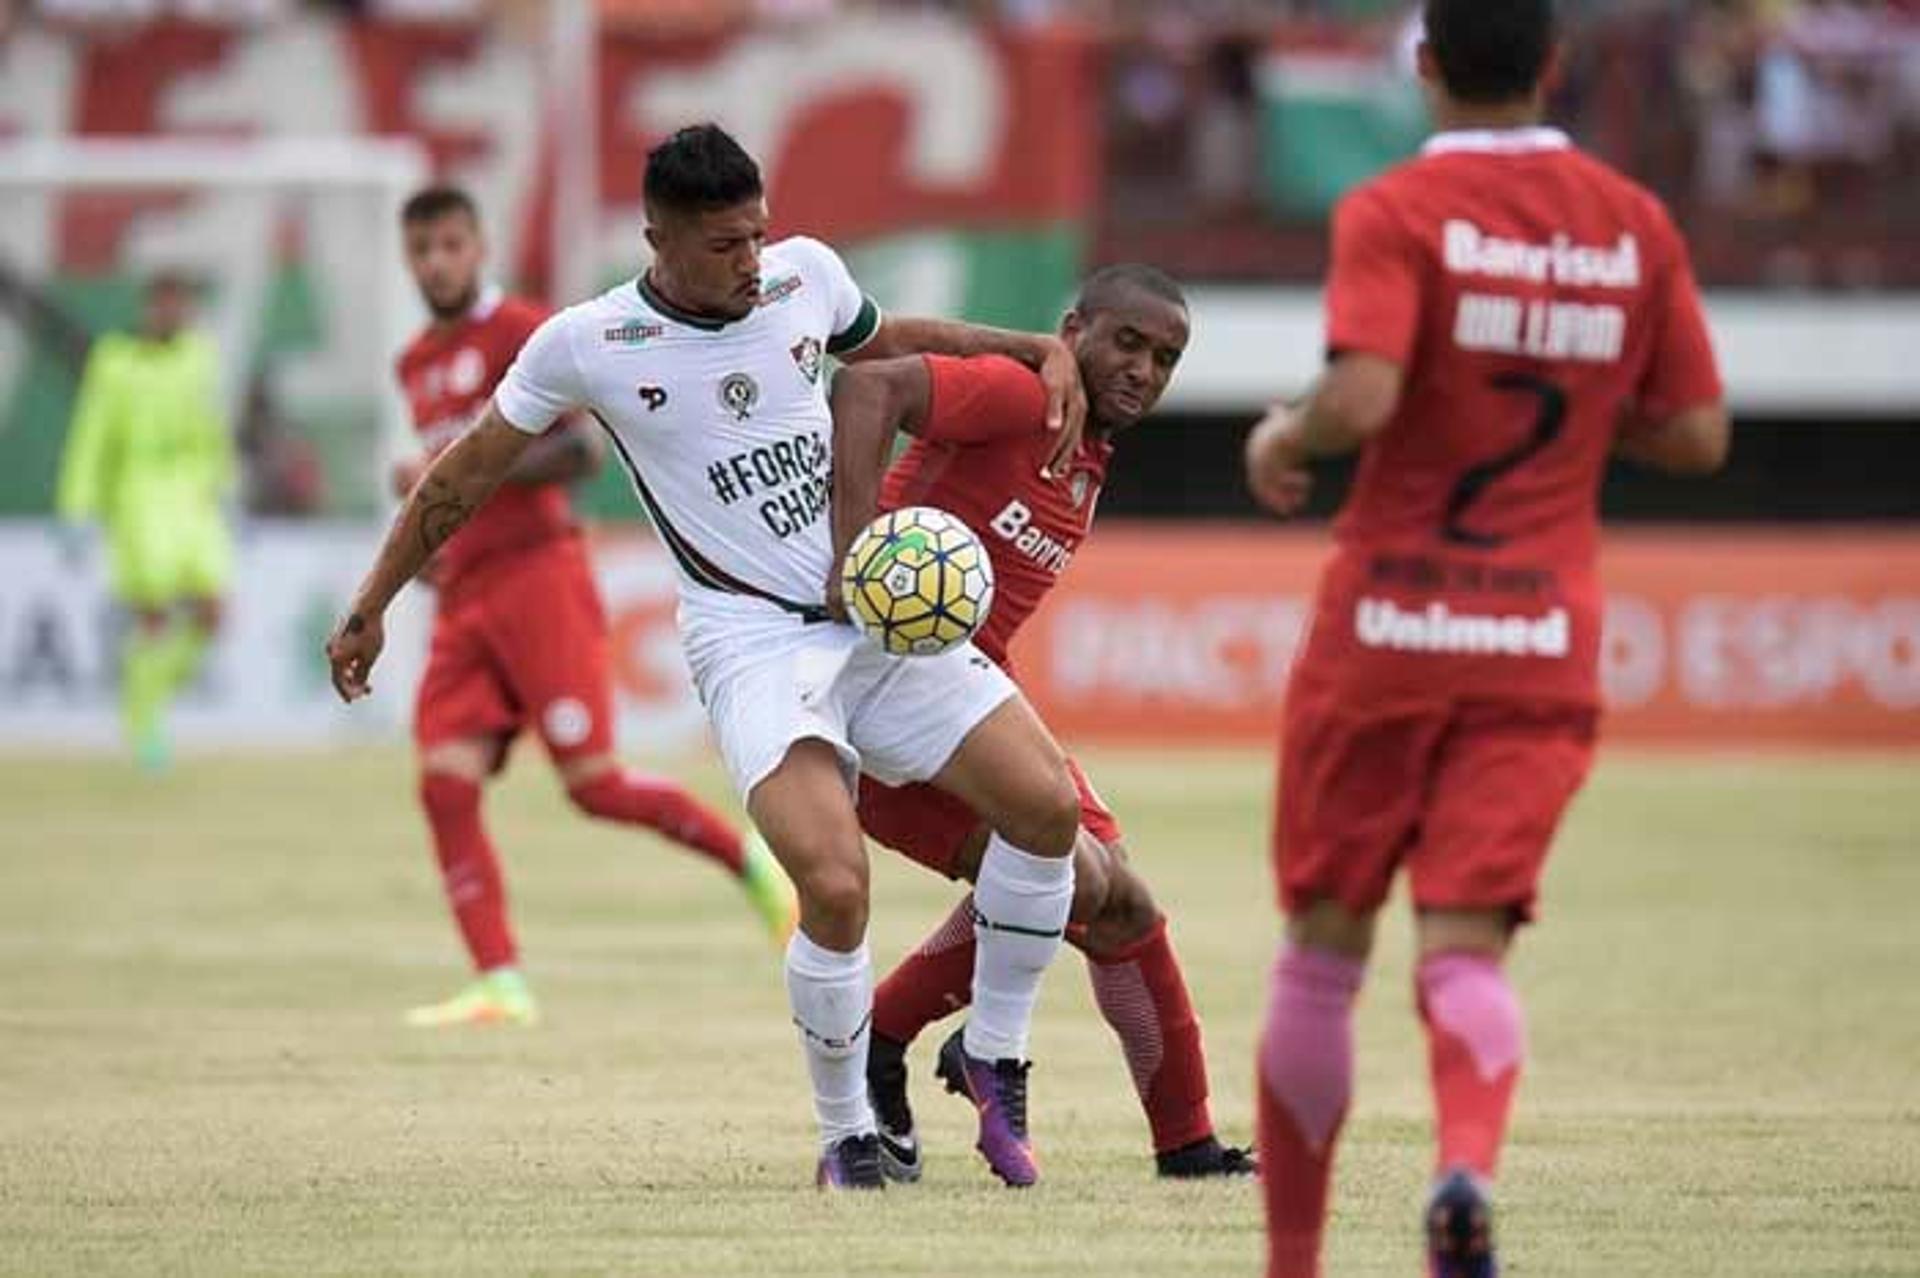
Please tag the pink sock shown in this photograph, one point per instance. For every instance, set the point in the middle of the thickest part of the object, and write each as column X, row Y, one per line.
column 1306, row 1081
column 1476, row 1040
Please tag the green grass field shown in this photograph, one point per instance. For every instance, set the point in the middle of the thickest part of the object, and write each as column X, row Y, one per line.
column 202, row 1068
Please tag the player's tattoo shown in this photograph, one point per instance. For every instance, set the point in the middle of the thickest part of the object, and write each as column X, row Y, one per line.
column 442, row 511
column 355, row 624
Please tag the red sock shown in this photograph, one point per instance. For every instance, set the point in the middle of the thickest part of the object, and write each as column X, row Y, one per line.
column 469, row 870
column 1476, row 1040
column 1143, row 995
column 932, row 983
column 1305, row 1083
column 634, row 798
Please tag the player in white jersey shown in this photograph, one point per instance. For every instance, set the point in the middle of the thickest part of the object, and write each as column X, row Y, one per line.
column 708, row 373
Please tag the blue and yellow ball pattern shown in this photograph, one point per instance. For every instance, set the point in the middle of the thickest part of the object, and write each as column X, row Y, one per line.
column 918, row 581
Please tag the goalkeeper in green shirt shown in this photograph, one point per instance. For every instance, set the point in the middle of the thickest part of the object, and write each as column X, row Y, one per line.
column 149, row 458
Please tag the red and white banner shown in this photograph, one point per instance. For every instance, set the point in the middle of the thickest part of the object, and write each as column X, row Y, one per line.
column 896, row 123
column 1736, row 638
column 1160, row 635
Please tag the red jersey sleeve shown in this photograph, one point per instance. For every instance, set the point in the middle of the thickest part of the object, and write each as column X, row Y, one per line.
column 518, row 318
column 1682, row 372
column 975, row 401
column 1373, row 287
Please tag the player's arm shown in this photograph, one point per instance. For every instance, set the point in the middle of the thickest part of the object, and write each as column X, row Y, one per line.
column 871, row 402
column 1041, row 352
column 1373, row 310
column 570, row 451
column 456, row 485
column 566, row 454
column 1694, row 441
column 960, row 402
column 1681, row 424
column 1351, row 403
column 573, row 448
column 544, row 384
column 861, row 333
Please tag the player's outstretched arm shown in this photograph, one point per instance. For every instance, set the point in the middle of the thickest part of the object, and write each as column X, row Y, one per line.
column 1042, row 352
column 1351, row 403
column 457, row 484
column 871, row 402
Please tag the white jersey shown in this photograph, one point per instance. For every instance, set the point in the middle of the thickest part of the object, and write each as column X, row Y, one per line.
column 724, row 427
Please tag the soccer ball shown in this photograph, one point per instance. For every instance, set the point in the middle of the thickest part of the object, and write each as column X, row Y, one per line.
column 918, row 581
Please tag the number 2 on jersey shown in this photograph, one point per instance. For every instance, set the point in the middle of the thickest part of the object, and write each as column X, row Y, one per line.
column 1548, row 422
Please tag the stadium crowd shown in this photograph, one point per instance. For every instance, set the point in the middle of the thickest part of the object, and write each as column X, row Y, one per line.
column 1792, row 125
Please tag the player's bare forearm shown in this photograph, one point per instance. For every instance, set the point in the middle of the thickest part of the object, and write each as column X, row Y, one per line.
column 456, row 485
column 1352, row 402
column 1042, row 352
column 1694, row 442
column 920, row 335
column 1276, row 462
column 1318, row 432
column 871, row 403
column 570, row 451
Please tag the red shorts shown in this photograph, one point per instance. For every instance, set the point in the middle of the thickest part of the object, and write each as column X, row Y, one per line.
column 930, row 826
column 1467, row 796
column 521, row 642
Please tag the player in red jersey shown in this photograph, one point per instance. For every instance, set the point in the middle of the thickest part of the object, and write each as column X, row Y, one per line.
column 1504, row 314
column 980, row 453
column 519, row 637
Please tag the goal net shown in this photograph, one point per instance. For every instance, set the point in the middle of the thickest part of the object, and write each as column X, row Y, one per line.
column 293, row 249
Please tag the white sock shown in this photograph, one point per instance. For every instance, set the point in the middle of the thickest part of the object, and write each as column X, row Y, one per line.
column 1020, row 914
column 832, row 998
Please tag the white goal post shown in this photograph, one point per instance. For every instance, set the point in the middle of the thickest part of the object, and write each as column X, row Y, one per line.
column 244, row 217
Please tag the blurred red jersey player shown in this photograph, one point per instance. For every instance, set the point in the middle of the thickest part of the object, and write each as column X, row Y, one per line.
column 519, row 637
column 1505, row 313
column 981, row 453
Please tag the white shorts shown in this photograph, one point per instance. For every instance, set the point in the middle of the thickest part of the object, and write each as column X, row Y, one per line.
column 769, row 679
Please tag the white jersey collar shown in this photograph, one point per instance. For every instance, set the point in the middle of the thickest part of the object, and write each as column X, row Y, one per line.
column 1521, row 141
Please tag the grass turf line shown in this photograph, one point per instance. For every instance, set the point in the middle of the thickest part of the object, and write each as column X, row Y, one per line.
column 202, row 1069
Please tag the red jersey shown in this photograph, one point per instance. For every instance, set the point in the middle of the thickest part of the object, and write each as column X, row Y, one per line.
column 1531, row 294
column 448, row 374
column 978, row 457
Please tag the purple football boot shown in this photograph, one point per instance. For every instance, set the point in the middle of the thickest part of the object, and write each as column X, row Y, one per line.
column 998, row 1089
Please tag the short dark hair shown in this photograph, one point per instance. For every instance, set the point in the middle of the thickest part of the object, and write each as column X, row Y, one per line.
column 700, row 168
column 430, row 204
column 1490, row 51
column 1102, row 290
